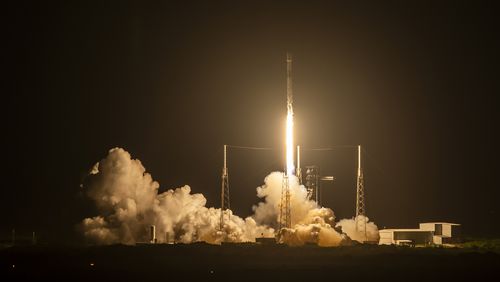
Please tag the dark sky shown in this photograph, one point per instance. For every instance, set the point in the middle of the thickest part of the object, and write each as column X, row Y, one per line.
column 170, row 82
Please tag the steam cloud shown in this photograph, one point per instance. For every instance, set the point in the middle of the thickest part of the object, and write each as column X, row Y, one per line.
column 128, row 201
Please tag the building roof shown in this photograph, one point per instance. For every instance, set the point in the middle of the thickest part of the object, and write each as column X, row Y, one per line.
column 405, row 230
column 449, row 223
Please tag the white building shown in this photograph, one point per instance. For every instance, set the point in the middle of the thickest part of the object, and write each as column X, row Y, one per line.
column 444, row 232
column 437, row 233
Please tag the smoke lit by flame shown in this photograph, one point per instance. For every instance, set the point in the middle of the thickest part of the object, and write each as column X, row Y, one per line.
column 129, row 201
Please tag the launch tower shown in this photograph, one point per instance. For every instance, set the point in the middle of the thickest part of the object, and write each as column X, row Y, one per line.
column 312, row 183
column 285, row 218
column 360, row 198
column 224, row 196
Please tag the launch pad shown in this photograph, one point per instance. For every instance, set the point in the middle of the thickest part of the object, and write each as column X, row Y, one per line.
column 312, row 177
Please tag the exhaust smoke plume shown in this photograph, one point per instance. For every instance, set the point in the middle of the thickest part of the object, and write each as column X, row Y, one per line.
column 128, row 201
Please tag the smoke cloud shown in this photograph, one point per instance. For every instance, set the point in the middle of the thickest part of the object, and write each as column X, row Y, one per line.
column 362, row 233
column 310, row 223
column 128, row 201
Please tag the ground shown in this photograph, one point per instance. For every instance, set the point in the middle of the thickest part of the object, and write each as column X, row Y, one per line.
column 246, row 262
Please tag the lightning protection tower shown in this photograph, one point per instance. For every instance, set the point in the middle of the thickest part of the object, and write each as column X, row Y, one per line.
column 224, row 196
column 360, row 198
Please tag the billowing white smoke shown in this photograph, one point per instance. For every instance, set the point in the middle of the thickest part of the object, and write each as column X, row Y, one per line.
column 310, row 223
column 128, row 201
column 368, row 232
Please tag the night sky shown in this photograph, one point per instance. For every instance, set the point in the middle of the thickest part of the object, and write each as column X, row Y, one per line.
column 171, row 82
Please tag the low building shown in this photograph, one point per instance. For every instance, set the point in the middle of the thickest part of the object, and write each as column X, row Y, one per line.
column 405, row 237
column 444, row 232
column 429, row 233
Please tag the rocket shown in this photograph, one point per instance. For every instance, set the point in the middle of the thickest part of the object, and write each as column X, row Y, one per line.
column 289, row 93
column 290, row 168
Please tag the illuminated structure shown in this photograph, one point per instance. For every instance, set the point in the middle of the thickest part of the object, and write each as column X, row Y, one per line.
column 224, row 196
column 360, row 198
column 312, row 182
column 429, row 233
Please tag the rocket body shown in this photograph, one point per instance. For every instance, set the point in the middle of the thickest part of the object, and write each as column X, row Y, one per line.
column 290, row 168
column 289, row 92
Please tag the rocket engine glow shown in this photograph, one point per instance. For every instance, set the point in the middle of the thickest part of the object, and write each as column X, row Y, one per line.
column 290, row 167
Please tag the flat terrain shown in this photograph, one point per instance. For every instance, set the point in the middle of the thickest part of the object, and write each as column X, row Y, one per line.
column 246, row 262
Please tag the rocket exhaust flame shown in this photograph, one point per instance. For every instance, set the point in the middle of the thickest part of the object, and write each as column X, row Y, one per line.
column 290, row 168
column 285, row 217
